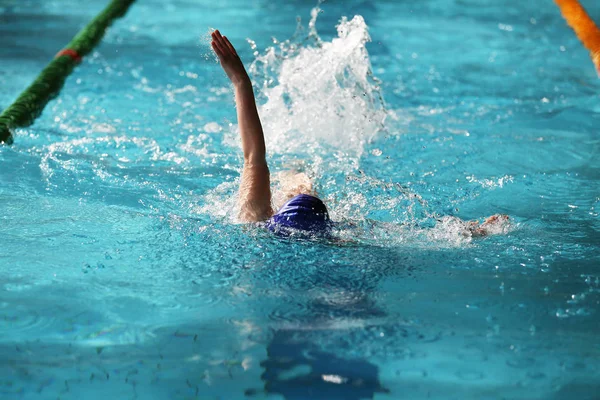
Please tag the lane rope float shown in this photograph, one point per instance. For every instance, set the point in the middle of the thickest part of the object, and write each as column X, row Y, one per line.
column 30, row 104
column 70, row 53
column 584, row 27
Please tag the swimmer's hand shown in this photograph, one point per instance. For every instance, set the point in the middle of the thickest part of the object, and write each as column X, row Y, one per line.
column 492, row 225
column 230, row 61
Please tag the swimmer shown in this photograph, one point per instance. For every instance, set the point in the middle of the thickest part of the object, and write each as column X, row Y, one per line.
column 302, row 210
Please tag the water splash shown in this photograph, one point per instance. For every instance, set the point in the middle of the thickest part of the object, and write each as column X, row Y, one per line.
column 320, row 97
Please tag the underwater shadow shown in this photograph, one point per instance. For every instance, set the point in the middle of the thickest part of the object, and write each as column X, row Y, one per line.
column 297, row 370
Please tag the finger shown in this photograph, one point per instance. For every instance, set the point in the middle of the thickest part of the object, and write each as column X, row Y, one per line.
column 216, row 37
column 217, row 49
column 218, row 41
column 222, row 44
column 229, row 45
column 215, row 44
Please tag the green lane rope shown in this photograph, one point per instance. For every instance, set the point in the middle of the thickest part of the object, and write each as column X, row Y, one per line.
column 30, row 104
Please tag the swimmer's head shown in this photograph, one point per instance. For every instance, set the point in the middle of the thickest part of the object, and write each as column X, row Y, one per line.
column 303, row 213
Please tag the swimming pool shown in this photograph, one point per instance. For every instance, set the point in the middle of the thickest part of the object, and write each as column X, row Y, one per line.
column 123, row 274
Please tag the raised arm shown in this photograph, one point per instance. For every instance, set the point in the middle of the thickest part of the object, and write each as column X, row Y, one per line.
column 255, row 191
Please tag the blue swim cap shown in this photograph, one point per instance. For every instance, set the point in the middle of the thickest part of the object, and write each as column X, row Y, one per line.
column 302, row 213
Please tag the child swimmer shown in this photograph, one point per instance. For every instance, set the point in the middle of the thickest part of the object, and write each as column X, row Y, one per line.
column 302, row 210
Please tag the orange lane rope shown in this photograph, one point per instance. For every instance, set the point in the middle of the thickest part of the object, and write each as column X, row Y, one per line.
column 584, row 27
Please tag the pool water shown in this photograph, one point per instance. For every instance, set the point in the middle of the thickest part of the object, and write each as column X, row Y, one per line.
column 125, row 275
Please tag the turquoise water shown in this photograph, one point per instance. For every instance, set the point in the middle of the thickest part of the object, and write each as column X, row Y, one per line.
column 123, row 274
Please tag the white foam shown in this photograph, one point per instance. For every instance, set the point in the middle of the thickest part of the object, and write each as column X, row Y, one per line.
column 320, row 97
